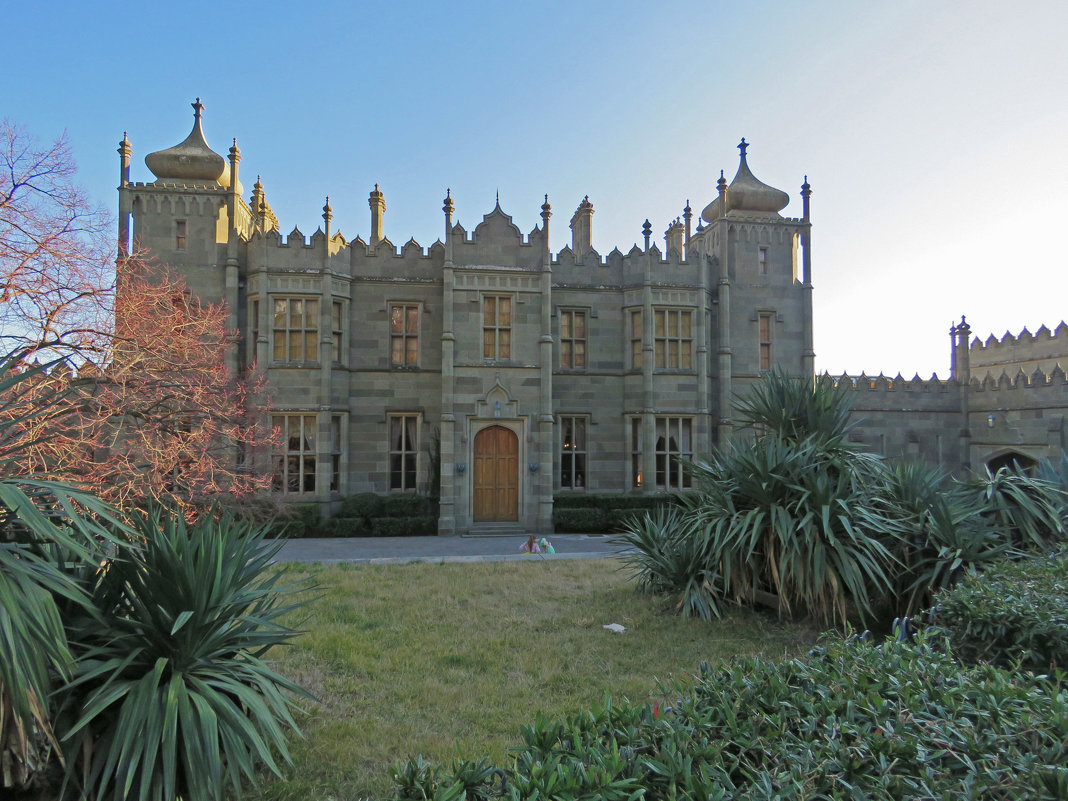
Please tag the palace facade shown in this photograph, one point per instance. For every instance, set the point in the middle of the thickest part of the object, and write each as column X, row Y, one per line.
column 492, row 368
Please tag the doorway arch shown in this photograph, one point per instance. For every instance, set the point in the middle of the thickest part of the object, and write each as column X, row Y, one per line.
column 496, row 476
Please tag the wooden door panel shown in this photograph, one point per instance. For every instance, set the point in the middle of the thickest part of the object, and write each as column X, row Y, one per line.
column 496, row 475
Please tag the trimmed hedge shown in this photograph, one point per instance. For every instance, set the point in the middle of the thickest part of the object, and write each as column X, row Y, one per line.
column 580, row 521
column 1011, row 611
column 851, row 720
column 363, row 504
column 603, row 513
column 422, row 526
column 404, row 505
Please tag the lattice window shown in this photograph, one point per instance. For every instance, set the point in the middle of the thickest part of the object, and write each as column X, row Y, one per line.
column 337, row 329
column 295, row 329
column 294, row 461
column 673, row 338
column 636, row 339
column 496, row 328
column 674, row 447
column 404, row 335
column 572, row 338
column 403, row 452
column 765, row 332
column 573, row 452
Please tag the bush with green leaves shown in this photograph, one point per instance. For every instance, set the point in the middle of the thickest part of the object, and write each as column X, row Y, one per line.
column 1010, row 613
column 800, row 517
column 896, row 722
column 170, row 695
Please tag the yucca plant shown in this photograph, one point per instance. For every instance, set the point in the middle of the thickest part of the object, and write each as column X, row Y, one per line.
column 46, row 528
column 171, row 696
column 671, row 555
column 1031, row 512
column 795, row 409
column 945, row 534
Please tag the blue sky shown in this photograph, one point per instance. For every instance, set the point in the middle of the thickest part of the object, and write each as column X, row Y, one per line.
column 933, row 134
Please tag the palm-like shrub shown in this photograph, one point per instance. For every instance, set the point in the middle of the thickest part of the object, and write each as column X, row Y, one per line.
column 46, row 528
column 671, row 555
column 795, row 513
column 1031, row 511
column 946, row 532
column 171, row 696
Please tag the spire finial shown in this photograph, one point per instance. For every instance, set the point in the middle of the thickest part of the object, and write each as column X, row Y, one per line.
column 327, row 210
column 743, row 146
column 198, row 109
column 647, row 232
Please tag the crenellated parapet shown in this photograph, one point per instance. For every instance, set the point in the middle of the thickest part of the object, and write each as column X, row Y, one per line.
column 1025, row 351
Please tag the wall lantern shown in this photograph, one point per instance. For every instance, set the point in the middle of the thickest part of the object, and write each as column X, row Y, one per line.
column 533, row 466
column 460, row 467
column 990, row 420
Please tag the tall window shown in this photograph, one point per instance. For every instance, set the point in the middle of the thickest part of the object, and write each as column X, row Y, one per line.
column 765, row 319
column 635, row 452
column 253, row 327
column 294, row 462
column 336, row 330
column 572, row 338
column 673, row 338
column 674, row 446
column 496, row 327
column 296, row 329
column 573, row 452
column 762, row 260
column 335, row 453
column 636, row 339
column 404, row 335
column 403, row 450
column 179, row 234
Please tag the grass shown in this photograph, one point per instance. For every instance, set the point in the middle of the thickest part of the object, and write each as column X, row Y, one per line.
column 450, row 660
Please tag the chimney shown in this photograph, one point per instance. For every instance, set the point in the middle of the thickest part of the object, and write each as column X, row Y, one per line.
column 582, row 228
column 377, row 202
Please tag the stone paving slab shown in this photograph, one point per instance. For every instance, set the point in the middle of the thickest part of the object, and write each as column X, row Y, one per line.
column 399, row 550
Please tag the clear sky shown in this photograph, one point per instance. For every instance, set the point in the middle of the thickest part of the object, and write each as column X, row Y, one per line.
column 934, row 134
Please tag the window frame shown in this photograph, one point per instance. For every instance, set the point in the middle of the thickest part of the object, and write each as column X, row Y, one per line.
column 498, row 353
column 306, row 458
column 765, row 340
column 310, row 327
column 568, row 343
column 634, row 317
column 574, row 452
column 670, row 461
column 405, row 337
column 668, row 346
column 405, row 472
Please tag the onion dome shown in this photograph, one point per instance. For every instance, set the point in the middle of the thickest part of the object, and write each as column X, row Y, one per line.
column 746, row 193
column 192, row 161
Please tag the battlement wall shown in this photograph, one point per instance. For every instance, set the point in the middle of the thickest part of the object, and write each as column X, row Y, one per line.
column 1042, row 350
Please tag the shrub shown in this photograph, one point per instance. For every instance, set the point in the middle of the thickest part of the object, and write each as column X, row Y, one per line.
column 851, row 720
column 421, row 526
column 405, row 504
column 351, row 527
column 580, row 521
column 308, row 514
column 171, row 696
column 364, row 504
column 1009, row 612
column 1031, row 511
column 670, row 556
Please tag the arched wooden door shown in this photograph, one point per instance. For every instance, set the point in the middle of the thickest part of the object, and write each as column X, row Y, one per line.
column 496, row 488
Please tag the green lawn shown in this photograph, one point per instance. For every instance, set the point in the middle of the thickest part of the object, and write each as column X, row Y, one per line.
column 450, row 660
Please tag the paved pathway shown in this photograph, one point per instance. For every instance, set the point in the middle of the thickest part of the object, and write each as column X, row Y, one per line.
column 397, row 550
